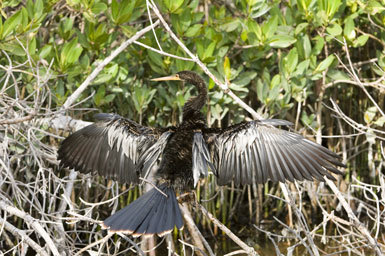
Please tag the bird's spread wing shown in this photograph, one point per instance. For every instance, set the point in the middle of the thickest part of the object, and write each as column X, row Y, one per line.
column 114, row 147
column 253, row 152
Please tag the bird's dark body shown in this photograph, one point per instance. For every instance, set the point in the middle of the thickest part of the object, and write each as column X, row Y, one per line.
column 245, row 153
column 176, row 164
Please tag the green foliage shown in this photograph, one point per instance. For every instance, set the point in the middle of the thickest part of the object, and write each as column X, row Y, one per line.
column 280, row 57
column 271, row 53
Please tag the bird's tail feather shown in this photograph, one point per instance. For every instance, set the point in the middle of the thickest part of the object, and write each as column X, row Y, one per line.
column 152, row 213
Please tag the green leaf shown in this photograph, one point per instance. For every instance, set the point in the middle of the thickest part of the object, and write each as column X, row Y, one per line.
column 334, row 29
column 231, row 25
column 337, row 75
column 109, row 98
column 38, row 8
column 300, row 27
column 181, row 21
column 274, row 88
column 226, row 68
column 13, row 48
column 270, row 27
column 222, row 51
column 156, row 58
column 209, row 50
column 329, row 7
column 11, row 23
column 45, row 51
column 129, row 31
column 70, row 53
column 275, row 81
column 291, row 60
column 193, row 30
column 99, row 95
column 262, row 90
column 238, row 88
column 319, row 45
column 375, row 7
column 259, row 9
column 122, row 11
column 98, row 8
column 302, row 68
column 102, row 78
column 245, row 78
column 306, row 46
column 370, row 113
column 173, row 5
column 114, row 10
column 32, row 46
column 324, row 64
column 380, row 121
column 361, row 41
column 349, row 31
column 282, row 41
column 254, row 27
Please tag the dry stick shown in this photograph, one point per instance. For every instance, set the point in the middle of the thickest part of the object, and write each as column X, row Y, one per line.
column 135, row 245
column 353, row 218
column 288, row 196
column 236, row 252
column 200, row 240
column 353, row 72
column 18, row 120
column 193, row 247
column 249, row 250
column 18, row 232
column 162, row 52
column 357, row 126
column 223, row 86
column 103, row 240
column 34, row 223
column 375, row 84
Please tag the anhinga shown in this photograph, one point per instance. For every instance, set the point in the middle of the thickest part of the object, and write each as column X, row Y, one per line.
column 249, row 152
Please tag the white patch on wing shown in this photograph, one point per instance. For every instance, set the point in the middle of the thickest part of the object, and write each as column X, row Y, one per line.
column 200, row 158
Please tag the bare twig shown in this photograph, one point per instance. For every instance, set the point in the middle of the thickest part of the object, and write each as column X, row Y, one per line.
column 198, row 238
column 21, row 233
column 249, row 250
column 360, row 227
column 34, row 223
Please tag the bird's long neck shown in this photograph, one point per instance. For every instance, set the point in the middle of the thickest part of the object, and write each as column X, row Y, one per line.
column 191, row 109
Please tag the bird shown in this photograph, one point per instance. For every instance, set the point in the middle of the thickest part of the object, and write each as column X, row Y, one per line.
column 178, row 156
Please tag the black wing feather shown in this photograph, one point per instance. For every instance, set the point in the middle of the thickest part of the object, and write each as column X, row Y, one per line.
column 114, row 147
column 258, row 151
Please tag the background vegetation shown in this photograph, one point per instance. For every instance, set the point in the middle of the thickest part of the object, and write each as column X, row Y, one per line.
column 317, row 63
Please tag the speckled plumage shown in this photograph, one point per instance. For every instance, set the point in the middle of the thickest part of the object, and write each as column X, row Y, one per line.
column 246, row 153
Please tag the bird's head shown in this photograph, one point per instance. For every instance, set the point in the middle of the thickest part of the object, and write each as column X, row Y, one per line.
column 194, row 104
column 185, row 76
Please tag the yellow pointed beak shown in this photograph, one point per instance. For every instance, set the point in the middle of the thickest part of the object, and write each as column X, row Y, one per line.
column 167, row 78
